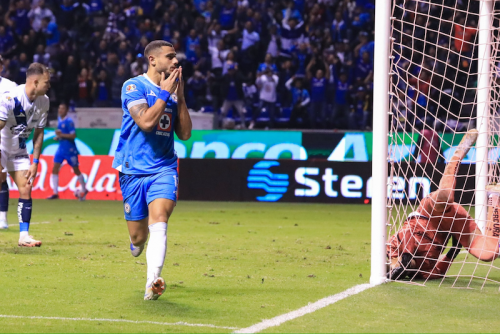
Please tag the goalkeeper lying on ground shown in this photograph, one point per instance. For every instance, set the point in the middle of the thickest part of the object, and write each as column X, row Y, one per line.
column 415, row 250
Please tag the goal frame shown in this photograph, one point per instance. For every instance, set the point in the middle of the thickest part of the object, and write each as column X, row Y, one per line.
column 381, row 117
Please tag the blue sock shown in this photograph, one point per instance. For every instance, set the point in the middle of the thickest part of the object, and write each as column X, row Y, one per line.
column 24, row 214
column 4, row 197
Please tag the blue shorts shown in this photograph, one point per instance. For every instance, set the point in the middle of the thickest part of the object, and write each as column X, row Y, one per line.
column 70, row 156
column 140, row 190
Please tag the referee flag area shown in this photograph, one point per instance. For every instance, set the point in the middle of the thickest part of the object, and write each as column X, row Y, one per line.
column 230, row 267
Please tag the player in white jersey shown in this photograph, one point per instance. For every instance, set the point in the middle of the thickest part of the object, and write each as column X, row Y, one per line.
column 23, row 109
column 5, row 86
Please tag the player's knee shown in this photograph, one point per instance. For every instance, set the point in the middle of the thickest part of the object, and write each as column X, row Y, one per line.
column 25, row 191
column 159, row 218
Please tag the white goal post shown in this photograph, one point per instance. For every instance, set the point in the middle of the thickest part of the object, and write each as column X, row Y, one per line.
column 486, row 56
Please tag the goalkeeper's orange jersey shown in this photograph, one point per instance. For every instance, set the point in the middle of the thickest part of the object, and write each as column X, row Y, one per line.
column 425, row 234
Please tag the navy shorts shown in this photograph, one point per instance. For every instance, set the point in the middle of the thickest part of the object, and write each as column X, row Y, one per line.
column 140, row 190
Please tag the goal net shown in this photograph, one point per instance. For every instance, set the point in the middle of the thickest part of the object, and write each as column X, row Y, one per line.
column 444, row 81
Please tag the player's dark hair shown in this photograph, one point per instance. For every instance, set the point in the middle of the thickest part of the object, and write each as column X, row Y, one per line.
column 155, row 45
column 36, row 69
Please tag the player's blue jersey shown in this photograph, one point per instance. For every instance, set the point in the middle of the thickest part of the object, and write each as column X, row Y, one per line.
column 67, row 127
column 140, row 152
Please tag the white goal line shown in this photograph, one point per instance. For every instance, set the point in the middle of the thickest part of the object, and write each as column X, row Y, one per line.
column 276, row 321
column 311, row 307
column 180, row 323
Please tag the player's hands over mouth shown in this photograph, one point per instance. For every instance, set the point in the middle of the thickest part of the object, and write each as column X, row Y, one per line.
column 31, row 173
column 169, row 84
column 180, row 86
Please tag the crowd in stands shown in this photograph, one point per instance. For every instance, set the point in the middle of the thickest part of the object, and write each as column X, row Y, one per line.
column 265, row 63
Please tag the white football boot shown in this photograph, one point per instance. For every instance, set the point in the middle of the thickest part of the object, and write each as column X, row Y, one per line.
column 154, row 289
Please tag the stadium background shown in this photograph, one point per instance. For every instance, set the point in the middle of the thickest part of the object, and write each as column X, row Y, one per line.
column 288, row 255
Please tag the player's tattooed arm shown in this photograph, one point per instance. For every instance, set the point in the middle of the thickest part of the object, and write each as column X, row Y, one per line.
column 138, row 110
column 146, row 117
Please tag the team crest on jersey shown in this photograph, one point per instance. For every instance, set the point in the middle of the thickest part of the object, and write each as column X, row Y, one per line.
column 164, row 125
column 127, row 208
column 174, row 97
column 131, row 88
column 8, row 98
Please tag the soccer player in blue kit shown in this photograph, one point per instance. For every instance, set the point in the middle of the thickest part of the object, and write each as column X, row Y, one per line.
column 67, row 150
column 154, row 107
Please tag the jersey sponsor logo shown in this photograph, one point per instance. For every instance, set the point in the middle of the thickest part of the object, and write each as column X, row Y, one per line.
column 168, row 110
column 131, row 88
column 164, row 125
column 151, row 93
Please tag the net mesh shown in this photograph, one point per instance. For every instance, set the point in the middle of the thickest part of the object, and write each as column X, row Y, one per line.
column 434, row 97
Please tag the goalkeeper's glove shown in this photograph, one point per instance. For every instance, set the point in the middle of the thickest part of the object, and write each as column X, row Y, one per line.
column 400, row 272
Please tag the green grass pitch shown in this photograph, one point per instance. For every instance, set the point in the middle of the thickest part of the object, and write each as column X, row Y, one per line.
column 228, row 265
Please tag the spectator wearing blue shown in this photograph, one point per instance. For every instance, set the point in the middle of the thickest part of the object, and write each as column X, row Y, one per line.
column 51, row 32
column 365, row 45
column 301, row 58
column 341, row 107
column 318, row 84
column 17, row 17
column 116, row 85
column 331, row 62
column 22, row 67
column 300, row 102
column 166, row 29
column 268, row 62
column 190, row 45
column 197, row 91
column 267, row 83
column 41, row 55
column 6, row 41
column 292, row 34
column 227, row 15
column 285, row 74
column 339, row 28
column 364, row 69
column 96, row 7
column 102, row 90
column 148, row 7
column 249, row 48
column 360, row 111
column 232, row 87
column 291, row 12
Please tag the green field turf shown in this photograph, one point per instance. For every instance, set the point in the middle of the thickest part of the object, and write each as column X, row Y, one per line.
column 228, row 265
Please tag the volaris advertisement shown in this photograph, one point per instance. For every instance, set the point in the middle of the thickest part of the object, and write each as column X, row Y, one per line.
column 268, row 145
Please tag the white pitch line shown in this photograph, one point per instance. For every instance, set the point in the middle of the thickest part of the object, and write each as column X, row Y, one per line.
column 34, row 223
column 311, row 307
column 180, row 323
